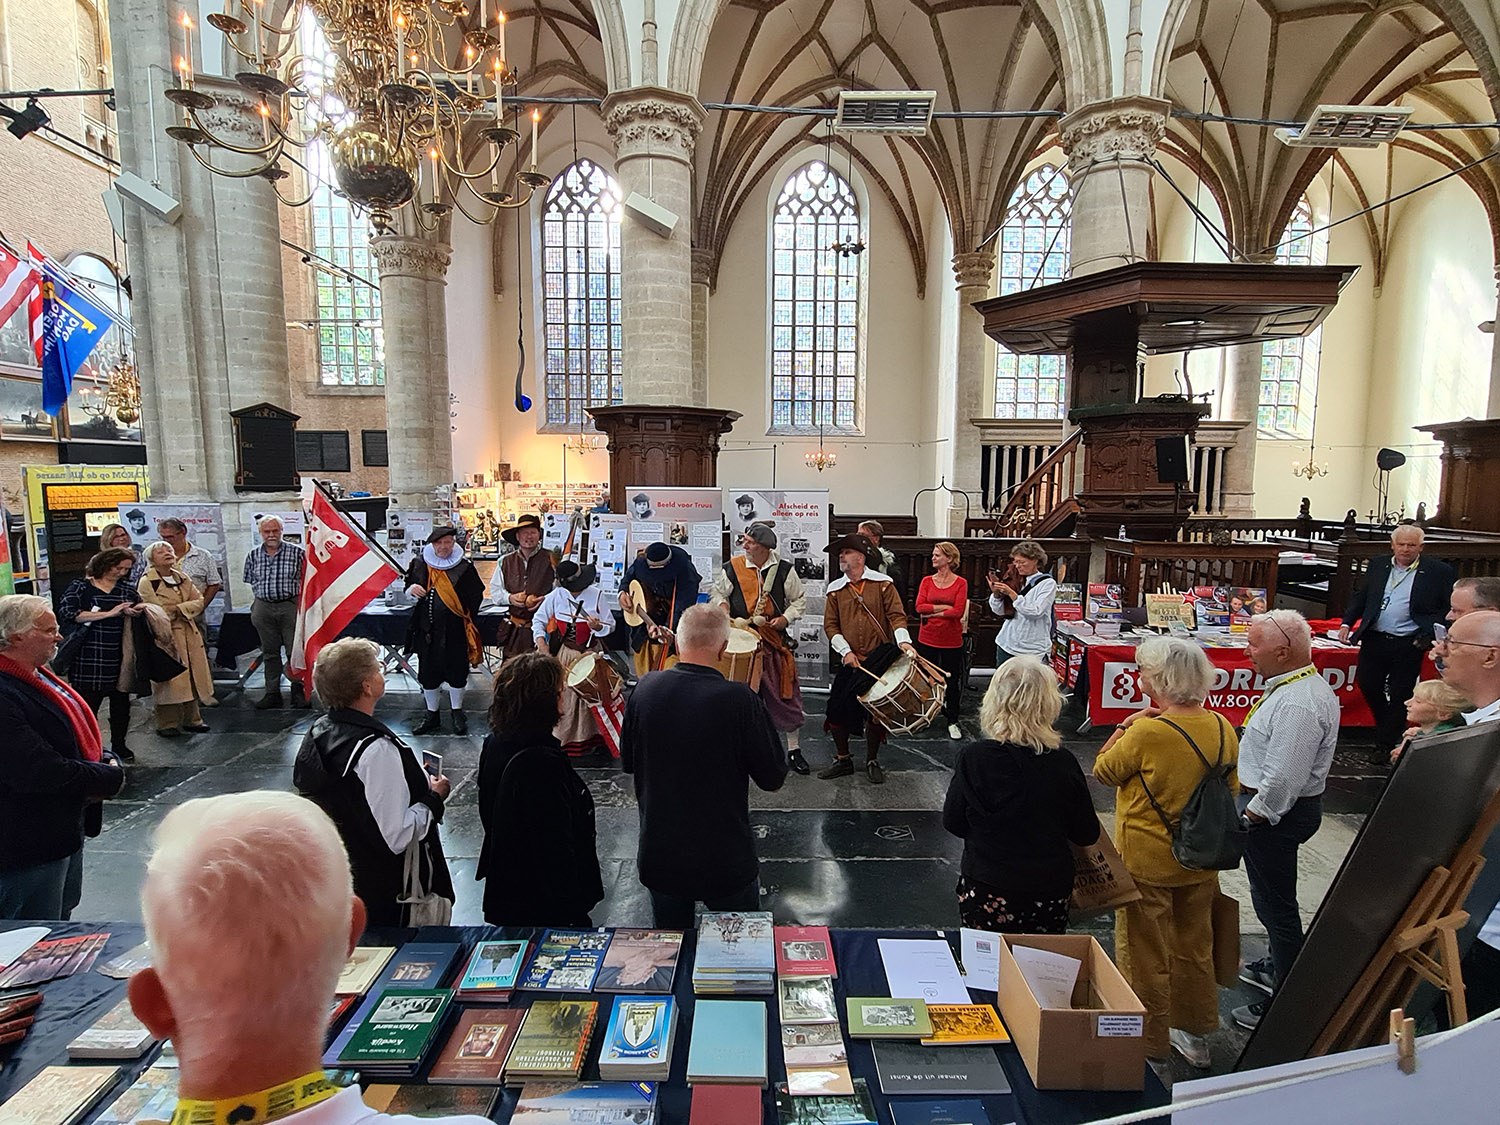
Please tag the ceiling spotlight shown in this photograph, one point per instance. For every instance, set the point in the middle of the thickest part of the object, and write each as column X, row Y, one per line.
column 26, row 121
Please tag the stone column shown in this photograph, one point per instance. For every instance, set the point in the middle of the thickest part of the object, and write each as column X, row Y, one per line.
column 1241, row 403
column 655, row 131
column 1493, row 406
column 414, row 316
column 703, row 262
column 971, row 273
column 1108, row 144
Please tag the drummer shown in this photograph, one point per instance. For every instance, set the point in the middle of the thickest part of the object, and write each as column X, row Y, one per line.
column 865, row 623
column 761, row 592
column 522, row 580
column 566, row 625
column 670, row 583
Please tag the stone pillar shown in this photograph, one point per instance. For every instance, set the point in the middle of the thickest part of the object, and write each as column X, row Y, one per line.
column 414, row 316
column 1493, row 406
column 703, row 262
column 1108, row 144
column 655, row 131
column 971, row 273
column 1242, row 404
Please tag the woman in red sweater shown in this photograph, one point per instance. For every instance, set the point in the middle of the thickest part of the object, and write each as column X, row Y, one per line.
column 943, row 602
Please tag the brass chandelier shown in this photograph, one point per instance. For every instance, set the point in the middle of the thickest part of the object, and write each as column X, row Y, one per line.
column 408, row 103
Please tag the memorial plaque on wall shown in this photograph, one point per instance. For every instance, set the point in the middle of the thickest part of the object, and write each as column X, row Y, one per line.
column 265, row 449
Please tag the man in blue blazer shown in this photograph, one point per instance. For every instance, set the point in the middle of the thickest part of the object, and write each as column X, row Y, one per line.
column 1403, row 597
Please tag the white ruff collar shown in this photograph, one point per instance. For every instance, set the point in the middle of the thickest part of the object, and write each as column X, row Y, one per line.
column 432, row 559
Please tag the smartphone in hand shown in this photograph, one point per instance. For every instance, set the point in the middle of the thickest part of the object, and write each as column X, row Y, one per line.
column 432, row 764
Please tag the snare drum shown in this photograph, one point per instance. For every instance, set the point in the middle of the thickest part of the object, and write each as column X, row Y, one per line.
column 595, row 681
column 907, row 698
column 741, row 660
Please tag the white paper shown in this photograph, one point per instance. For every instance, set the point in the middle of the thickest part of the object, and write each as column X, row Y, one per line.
column 922, row 969
column 1050, row 976
column 13, row 943
column 980, row 950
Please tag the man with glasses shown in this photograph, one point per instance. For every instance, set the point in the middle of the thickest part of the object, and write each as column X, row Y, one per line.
column 1286, row 750
column 1469, row 596
column 1404, row 597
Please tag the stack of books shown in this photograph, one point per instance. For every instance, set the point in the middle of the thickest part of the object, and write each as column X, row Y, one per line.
column 118, row 1035
column 736, row 954
column 394, row 1040
column 565, row 1103
column 856, row 1108
column 818, row 1063
column 566, row 961
column 728, row 1045
column 553, row 1041
column 17, row 1014
column 59, row 1095
column 639, row 1039
column 640, row 961
column 476, row 1049
column 415, row 965
column 491, row 973
column 363, row 969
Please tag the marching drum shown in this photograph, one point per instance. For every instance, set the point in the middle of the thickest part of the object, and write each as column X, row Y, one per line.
column 595, row 681
column 908, row 697
column 741, row 660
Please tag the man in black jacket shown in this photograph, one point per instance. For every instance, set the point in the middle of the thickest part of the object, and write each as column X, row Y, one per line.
column 694, row 742
column 1403, row 597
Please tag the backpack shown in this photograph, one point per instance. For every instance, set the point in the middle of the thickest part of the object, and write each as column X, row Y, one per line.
column 1209, row 835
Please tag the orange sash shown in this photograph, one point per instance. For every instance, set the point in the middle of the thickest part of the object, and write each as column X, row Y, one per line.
column 449, row 596
column 745, row 573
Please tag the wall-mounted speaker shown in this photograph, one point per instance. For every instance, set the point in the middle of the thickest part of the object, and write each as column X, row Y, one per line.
column 1172, row 460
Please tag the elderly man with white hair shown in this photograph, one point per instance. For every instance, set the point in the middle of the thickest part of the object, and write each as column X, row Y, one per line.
column 251, row 913
column 694, row 742
column 54, row 771
column 1286, row 749
column 273, row 571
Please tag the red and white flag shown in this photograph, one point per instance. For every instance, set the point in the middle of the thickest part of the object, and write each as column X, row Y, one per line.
column 609, row 717
column 19, row 279
column 343, row 574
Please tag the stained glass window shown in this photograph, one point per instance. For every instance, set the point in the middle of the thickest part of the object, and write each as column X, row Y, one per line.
column 815, row 336
column 1033, row 251
column 1289, row 368
column 581, row 293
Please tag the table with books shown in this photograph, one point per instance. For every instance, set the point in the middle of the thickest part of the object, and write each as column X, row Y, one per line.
column 735, row 1023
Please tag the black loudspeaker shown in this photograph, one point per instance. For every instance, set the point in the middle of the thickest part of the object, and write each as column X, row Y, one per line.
column 1172, row 460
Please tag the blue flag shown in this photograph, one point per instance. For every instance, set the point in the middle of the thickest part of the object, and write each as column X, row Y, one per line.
column 72, row 325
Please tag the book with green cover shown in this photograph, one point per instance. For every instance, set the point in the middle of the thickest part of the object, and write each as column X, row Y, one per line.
column 553, row 1040
column 400, row 1028
column 881, row 1017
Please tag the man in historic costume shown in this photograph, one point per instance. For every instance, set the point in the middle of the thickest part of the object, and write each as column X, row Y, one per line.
column 670, row 583
column 443, row 634
column 523, row 578
column 566, row 625
column 865, row 623
column 762, row 592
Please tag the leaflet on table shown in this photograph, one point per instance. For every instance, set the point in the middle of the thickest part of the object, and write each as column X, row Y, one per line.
column 923, row 969
column 980, row 951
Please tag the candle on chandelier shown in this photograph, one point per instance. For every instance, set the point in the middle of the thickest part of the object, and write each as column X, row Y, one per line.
column 499, row 90
column 500, row 22
column 432, row 155
column 469, row 68
column 484, row 13
column 536, row 116
column 400, row 45
column 185, row 73
column 265, row 123
column 187, row 48
column 260, row 50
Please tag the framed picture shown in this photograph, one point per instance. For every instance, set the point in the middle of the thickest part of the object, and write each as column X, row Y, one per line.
column 21, row 417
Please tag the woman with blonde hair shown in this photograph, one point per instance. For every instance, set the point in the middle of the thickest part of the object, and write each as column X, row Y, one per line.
column 118, row 535
column 1017, row 802
column 1434, row 706
column 1164, row 942
column 168, row 588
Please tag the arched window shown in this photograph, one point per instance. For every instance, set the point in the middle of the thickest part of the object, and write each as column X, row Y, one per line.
column 351, row 347
column 815, row 340
column 1033, row 251
column 1289, row 368
column 581, row 293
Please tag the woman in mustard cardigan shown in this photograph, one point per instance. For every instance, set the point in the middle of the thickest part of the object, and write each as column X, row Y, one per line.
column 177, row 700
column 1164, row 943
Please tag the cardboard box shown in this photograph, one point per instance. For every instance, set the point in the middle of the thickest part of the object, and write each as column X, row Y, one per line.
column 1099, row 1043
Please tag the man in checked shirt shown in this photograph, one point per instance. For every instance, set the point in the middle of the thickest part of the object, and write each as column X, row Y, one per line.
column 273, row 571
column 1282, row 775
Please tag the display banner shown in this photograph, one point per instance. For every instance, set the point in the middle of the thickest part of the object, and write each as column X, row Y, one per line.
column 609, row 549
column 205, row 528
column 801, row 520
column 690, row 518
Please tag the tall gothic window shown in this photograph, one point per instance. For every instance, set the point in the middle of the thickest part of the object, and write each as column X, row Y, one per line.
column 581, row 293
column 815, row 338
column 1289, row 368
column 1033, row 251
column 351, row 347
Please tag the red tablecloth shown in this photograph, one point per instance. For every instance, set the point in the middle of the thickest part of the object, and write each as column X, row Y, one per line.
column 1114, row 680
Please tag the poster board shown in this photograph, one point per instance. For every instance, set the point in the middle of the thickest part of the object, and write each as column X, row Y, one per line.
column 293, row 523
column 690, row 518
column 205, row 528
column 61, row 501
column 1397, row 847
column 7, row 570
column 609, row 549
column 802, row 520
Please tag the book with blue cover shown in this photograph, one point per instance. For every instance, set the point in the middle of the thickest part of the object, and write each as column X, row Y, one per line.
column 728, row 1043
column 492, row 971
column 959, row 1111
column 566, row 961
column 638, row 1039
column 417, row 964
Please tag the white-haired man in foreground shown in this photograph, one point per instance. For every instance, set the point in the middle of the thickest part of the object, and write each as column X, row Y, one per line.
column 251, row 913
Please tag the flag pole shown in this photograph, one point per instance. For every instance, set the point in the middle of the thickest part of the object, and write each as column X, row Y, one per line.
column 368, row 539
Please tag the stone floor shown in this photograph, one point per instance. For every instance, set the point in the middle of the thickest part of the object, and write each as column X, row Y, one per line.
column 841, row 853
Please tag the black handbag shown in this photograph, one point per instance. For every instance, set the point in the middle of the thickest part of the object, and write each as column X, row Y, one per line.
column 68, row 651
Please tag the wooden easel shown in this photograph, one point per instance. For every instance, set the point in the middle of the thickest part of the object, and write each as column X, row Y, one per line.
column 1422, row 946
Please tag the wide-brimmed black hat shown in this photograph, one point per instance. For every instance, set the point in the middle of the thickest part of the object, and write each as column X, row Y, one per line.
column 854, row 542
column 509, row 534
column 574, row 578
column 442, row 533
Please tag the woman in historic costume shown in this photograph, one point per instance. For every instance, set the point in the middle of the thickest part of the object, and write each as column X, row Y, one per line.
column 443, row 634
column 523, row 578
column 166, row 587
column 566, row 625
